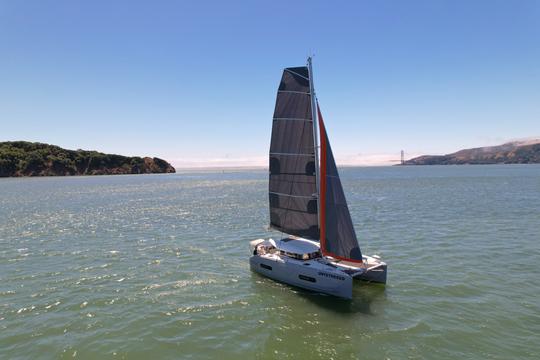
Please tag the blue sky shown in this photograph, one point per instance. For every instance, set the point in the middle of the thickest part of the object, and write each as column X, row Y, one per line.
column 194, row 82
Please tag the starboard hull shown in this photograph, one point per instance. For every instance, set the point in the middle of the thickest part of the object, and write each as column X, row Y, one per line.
column 372, row 269
column 377, row 275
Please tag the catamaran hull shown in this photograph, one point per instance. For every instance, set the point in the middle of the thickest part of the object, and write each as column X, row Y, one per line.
column 376, row 275
column 315, row 276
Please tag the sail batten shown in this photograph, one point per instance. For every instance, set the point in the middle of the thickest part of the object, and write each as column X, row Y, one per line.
column 292, row 186
column 290, row 154
column 292, row 119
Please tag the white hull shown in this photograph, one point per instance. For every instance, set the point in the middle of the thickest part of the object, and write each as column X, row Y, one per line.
column 323, row 275
column 374, row 273
column 309, row 274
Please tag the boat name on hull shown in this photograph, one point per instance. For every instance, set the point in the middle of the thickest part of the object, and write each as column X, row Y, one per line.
column 332, row 276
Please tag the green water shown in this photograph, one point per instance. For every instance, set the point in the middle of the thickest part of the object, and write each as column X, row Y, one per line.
column 141, row 267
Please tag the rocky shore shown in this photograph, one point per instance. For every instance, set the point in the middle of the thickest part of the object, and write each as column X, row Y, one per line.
column 22, row 158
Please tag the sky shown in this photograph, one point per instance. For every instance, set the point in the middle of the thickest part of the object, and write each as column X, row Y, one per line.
column 194, row 82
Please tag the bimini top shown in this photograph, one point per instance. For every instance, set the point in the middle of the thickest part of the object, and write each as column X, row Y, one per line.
column 297, row 246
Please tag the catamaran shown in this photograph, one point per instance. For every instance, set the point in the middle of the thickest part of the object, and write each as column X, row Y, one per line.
column 318, row 249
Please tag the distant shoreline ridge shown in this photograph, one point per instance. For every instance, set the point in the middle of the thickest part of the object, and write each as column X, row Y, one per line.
column 515, row 152
column 23, row 158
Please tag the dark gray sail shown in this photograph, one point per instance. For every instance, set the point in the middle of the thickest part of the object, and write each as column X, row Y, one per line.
column 293, row 186
column 338, row 238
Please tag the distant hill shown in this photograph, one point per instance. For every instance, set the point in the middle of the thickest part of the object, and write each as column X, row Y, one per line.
column 516, row 152
column 21, row 158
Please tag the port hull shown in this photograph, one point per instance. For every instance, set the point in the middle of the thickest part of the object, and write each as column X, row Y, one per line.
column 310, row 274
column 299, row 262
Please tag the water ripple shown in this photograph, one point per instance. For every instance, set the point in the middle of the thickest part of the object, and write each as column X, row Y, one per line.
column 156, row 266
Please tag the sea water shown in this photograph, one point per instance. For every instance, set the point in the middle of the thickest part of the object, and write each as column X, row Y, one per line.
column 156, row 266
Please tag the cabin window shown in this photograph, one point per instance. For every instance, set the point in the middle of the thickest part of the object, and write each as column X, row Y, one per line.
column 267, row 267
column 307, row 278
column 303, row 257
column 291, row 255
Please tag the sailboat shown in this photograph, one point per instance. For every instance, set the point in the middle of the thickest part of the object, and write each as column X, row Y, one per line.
column 318, row 249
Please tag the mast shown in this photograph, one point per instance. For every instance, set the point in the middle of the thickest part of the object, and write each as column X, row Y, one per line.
column 314, row 117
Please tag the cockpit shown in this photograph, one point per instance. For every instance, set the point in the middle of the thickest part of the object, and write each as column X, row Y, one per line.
column 295, row 248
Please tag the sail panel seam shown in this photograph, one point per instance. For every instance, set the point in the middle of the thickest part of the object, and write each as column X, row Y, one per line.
column 291, row 154
column 295, row 210
column 293, row 92
column 294, row 196
column 293, row 119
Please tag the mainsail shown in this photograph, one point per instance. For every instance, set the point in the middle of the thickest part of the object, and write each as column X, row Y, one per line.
column 293, row 185
column 337, row 238
column 293, row 189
